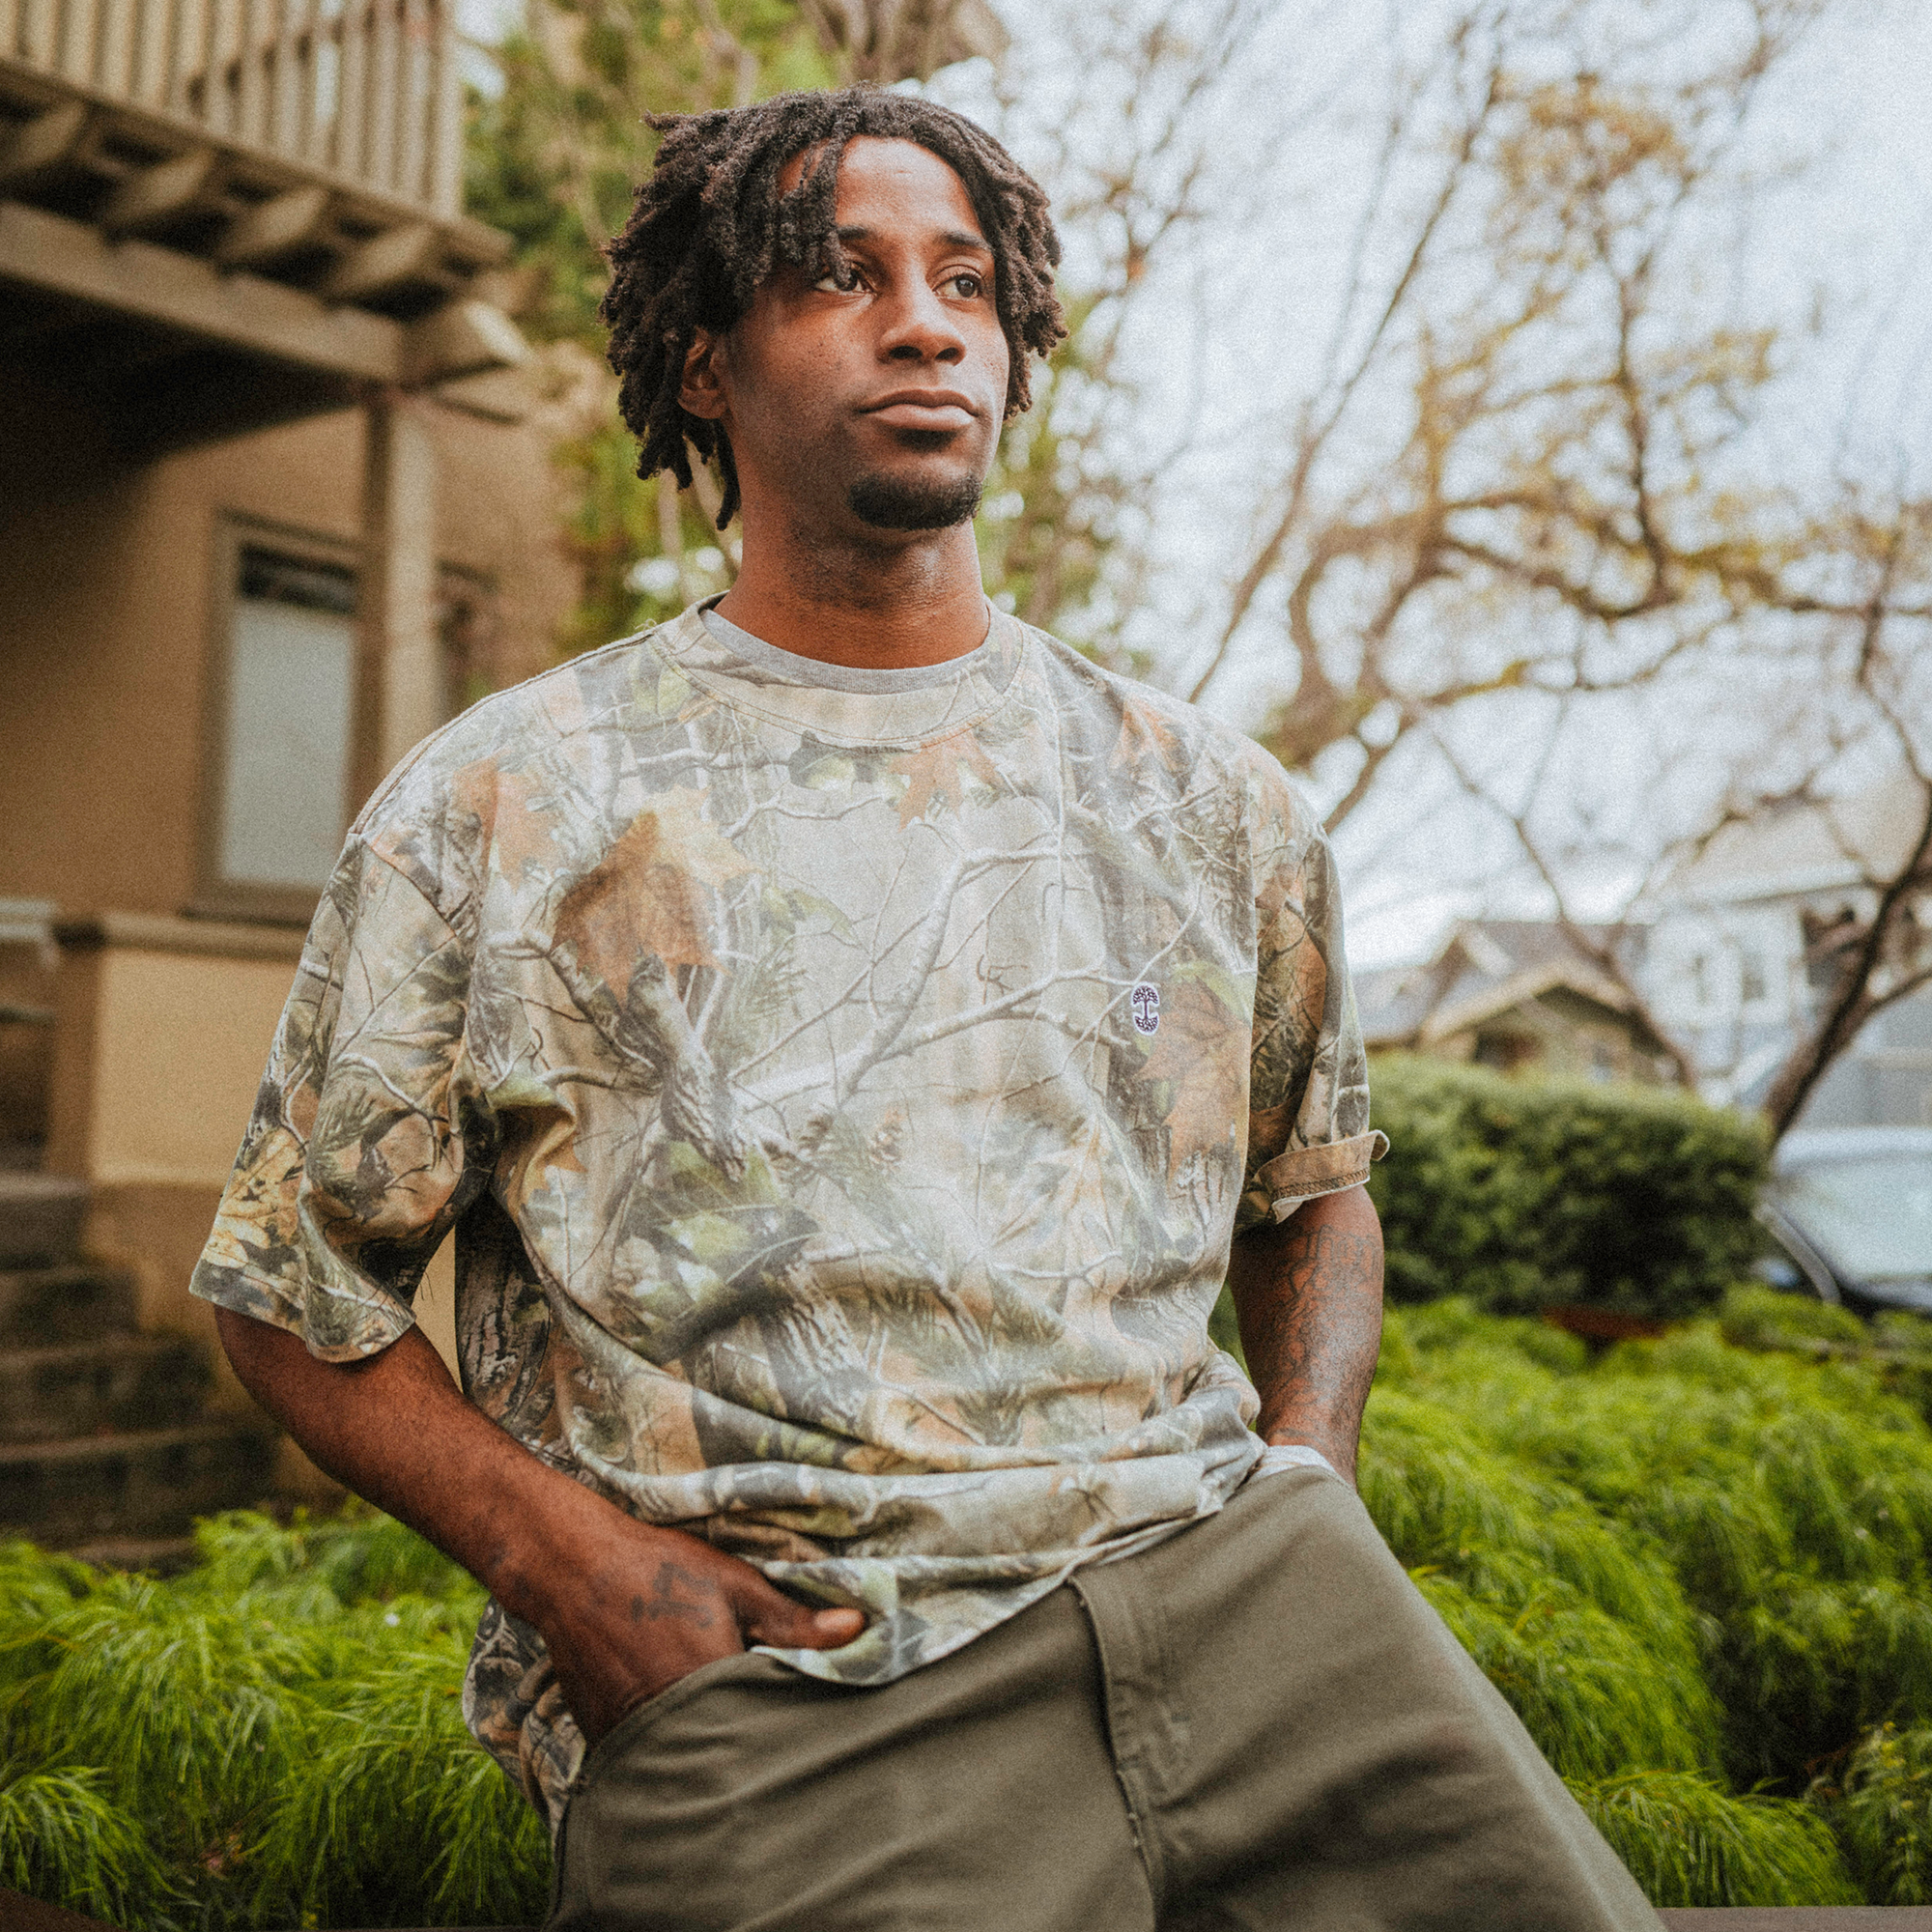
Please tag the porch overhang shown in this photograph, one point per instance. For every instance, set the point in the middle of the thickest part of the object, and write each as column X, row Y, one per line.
column 198, row 275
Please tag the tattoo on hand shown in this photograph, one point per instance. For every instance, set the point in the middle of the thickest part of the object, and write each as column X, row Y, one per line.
column 673, row 1590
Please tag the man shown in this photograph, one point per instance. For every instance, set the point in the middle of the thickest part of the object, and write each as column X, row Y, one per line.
column 846, row 1031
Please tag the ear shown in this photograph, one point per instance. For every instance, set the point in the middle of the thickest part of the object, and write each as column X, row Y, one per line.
column 702, row 391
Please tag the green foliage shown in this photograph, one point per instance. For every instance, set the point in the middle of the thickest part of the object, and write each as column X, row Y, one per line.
column 1688, row 1843
column 619, row 520
column 1882, row 1809
column 1769, row 1317
column 61, row 1838
column 1584, row 1630
column 398, row 1818
column 1791, row 1500
column 1697, row 1571
column 1522, row 1193
column 273, row 1738
column 1897, row 1347
column 1050, row 516
column 554, row 155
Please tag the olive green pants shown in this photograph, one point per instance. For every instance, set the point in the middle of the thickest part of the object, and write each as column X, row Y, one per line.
column 1257, row 1723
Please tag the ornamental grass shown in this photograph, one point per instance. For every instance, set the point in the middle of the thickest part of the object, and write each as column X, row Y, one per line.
column 1697, row 1566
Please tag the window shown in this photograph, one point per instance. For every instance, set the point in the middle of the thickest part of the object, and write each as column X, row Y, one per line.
column 285, row 712
column 282, row 758
column 1755, row 982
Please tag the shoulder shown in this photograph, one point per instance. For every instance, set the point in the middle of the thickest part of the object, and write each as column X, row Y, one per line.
column 514, row 764
column 528, row 721
column 1152, row 740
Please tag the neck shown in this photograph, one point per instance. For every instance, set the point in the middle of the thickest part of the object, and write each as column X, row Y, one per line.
column 891, row 599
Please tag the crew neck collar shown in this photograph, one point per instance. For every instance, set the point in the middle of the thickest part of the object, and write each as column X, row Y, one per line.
column 834, row 703
column 797, row 669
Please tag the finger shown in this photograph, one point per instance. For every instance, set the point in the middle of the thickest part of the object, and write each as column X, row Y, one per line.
column 777, row 1620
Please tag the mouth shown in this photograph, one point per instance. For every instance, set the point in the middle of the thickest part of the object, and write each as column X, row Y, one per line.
column 926, row 410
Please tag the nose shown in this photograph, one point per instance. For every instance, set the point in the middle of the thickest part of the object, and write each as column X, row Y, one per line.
column 918, row 328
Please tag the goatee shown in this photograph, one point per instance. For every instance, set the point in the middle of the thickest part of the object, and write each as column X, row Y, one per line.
column 889, row 504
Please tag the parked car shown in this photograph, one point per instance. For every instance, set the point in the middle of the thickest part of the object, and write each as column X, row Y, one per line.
column 1850, row 1212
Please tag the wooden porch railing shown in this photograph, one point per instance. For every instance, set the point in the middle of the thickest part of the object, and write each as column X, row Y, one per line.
column 365, row 91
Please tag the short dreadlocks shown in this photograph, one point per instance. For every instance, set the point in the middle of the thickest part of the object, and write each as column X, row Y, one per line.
column 709, row 225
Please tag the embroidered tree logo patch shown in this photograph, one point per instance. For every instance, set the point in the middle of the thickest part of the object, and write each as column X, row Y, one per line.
column 1145, row 1001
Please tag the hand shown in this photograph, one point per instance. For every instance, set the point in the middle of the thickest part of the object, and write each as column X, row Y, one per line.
column 625, row 1608
column 647, row 1606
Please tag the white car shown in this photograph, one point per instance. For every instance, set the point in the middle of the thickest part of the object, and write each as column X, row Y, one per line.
column 1851, row 1208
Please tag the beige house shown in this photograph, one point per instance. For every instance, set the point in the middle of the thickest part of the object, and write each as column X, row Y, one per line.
column 271, row 510
column 1516, row 995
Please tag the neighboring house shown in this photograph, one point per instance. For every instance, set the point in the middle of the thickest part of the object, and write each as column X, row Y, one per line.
column 270, row 511
column 1739, row 950
column 1515, row 994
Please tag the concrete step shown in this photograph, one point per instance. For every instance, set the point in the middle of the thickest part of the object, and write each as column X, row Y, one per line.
column 40, row 1217
column 71, row 1301
column 147, row 1483
column 128, row 1381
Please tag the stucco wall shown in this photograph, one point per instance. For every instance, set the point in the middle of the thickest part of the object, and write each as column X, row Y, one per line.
column 108, row 587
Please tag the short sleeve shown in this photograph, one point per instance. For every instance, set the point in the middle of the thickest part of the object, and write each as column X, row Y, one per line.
column 1308, row 1081
column 353, row 1167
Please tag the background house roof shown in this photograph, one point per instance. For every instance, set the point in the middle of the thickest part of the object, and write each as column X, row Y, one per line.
column 1485, row 967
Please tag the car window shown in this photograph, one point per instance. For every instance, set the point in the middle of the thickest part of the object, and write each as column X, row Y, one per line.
column 1871, row 1216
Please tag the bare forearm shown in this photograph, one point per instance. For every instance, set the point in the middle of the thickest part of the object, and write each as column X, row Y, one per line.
column 625, row 1608
column 1308, row 1295
column 395, row 1429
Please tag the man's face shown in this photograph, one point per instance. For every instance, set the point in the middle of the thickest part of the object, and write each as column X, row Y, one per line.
column 872, row 400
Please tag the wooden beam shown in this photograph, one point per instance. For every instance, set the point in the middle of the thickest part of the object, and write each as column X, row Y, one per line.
column 49, row 253
column 274, row 228
column 42, row 144
column 156, row 196
column 398, row 258
column 144, row 124
column 494, row 395
column 462, row 338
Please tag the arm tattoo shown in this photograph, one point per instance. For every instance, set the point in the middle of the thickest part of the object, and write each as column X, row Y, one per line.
column 1309, row 1298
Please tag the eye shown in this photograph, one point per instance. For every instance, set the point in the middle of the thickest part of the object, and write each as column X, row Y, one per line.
column 968, row 282
column 838, row 281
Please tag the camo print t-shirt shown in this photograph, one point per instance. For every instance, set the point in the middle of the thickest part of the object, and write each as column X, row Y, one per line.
column 843, row 1089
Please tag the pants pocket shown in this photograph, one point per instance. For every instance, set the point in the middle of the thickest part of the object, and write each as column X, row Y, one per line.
column 640, row 1718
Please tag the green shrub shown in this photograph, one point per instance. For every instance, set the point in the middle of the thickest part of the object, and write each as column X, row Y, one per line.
column 1882, row 1809
column 1897, row 1347
column 1770, row 1318
column 398, row 1818
column 1688, row 1843
column 62, row 1838
column 272, row 1738
column 1520, row 1193
column 1701, row 1573
column 1790, row 1499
